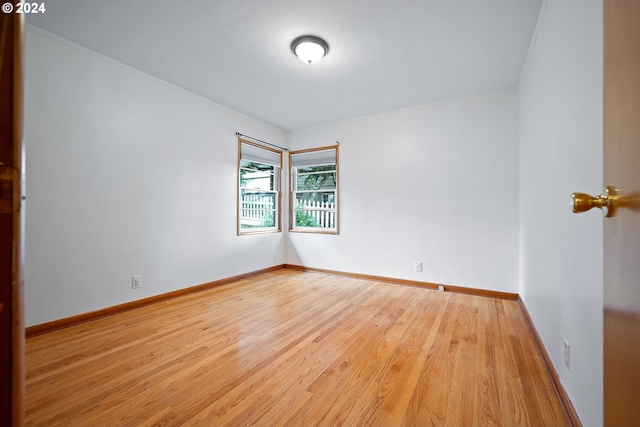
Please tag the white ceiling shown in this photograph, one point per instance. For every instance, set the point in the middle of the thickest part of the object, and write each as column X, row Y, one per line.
column 384, row 55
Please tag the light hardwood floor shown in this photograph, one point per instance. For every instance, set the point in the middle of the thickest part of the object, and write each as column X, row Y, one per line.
column 296, row 348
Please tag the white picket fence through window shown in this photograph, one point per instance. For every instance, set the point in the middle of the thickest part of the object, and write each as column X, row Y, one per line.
column 255, row 206
column 323, row 212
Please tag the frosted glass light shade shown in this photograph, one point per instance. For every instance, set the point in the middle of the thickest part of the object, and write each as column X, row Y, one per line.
column 309, row 52
column 309, row 49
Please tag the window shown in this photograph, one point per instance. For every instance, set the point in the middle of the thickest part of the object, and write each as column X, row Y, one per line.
column 258, row 189
column 314, row 190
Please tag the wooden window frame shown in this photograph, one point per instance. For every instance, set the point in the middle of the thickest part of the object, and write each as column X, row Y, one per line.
column 277, row 176
column 293, row 191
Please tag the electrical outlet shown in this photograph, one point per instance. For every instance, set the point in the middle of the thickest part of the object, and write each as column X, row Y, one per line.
column 418, row 265
column 567, row 355
column 136, row 282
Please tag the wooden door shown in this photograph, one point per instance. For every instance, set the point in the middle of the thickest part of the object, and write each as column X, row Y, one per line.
column 11, row 305
column 622, row 231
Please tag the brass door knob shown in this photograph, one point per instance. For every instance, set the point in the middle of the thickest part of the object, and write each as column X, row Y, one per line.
column 607, row 201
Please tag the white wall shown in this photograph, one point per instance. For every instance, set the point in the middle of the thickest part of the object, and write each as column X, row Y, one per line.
column 436, row 183
column 561, row 152
column 127, row 175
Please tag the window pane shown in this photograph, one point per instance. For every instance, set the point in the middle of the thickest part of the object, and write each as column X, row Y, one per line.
column 324, row 199
column 315, row 218
column 256, row 175
column 257, row 209
column 326, row 168
column 258, row 219
column 315, row 180
column 315, row 209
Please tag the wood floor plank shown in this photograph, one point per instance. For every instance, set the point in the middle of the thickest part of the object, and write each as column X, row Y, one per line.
column 487, row 408
column 292, row 348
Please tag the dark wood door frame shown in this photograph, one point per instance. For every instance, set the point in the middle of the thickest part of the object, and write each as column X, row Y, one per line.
column 621, row 316
column 11, row 200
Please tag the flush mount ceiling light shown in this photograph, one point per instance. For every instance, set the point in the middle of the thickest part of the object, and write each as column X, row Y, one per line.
column 310, row 49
